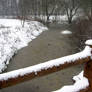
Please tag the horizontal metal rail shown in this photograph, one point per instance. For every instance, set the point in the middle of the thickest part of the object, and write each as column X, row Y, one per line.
column 18, row 79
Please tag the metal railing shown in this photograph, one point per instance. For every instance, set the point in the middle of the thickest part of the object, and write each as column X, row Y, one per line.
column 11, row 80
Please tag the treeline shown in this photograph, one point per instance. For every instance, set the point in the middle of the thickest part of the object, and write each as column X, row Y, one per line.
column 43, row 9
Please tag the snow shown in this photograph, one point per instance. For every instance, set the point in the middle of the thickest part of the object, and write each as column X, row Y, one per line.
column 59, row 18
column 52, row 18
column 81, row 83
column 14, row 37
column 62, row 19
column 66, row 32
column 49, row 64
column 88, row 42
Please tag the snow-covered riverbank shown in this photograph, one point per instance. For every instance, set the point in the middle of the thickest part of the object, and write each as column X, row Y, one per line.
column 14, row 37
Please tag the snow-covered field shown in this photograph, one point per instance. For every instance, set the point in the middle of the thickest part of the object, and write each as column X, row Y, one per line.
column 14, row 37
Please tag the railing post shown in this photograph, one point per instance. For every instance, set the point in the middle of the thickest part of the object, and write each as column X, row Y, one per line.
column 88, row 68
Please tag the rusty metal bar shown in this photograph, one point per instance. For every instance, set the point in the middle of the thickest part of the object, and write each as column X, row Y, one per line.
column 43, row 72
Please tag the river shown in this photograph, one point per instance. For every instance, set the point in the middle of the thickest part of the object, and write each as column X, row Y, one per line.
column 49, row 45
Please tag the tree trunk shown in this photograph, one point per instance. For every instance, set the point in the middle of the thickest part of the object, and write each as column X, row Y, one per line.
column 47, row 18
column 70, row 20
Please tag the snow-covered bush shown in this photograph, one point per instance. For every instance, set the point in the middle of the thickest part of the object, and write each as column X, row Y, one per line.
column 14, row 37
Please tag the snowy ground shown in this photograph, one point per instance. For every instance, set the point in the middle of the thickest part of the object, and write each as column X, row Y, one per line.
column 14, row 37
column 81, row 82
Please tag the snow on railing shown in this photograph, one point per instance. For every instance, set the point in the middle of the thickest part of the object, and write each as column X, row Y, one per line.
column 17, row 76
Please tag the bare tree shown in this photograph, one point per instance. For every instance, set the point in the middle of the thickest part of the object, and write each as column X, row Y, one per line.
column 49, row 7
column 24, row 7
column 71, row 7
